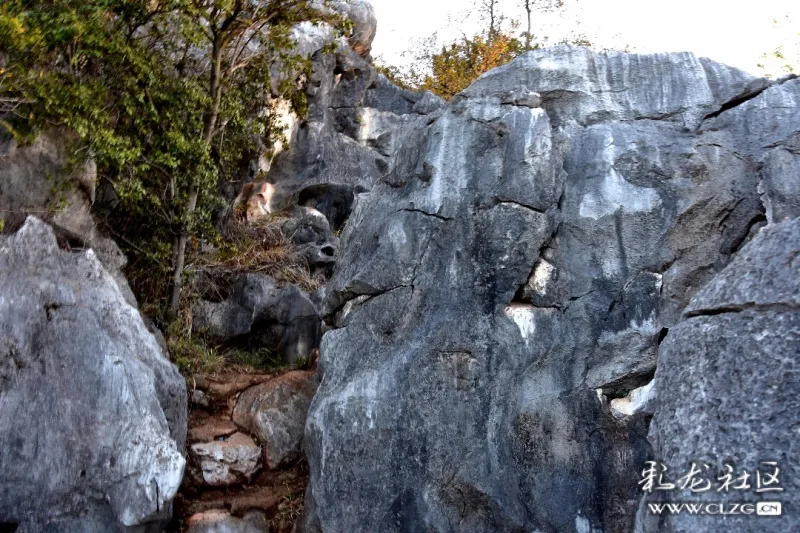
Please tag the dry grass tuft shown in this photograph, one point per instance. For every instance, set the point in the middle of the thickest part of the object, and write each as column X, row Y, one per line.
column 249, row 247
column 259, row 248
column 289, row 512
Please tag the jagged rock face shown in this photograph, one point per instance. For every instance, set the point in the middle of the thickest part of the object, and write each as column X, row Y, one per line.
column 92, row 413
column 356, row 124
column 515, row 268
column 729, row 378
column 34, row 181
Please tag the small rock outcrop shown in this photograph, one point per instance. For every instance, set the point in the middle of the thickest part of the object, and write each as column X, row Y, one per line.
column 92, row 413
column 729, row 375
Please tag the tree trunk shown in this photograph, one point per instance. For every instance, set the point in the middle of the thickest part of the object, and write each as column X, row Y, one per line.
column 528, row 33
column 179, row 257
column 491, row 19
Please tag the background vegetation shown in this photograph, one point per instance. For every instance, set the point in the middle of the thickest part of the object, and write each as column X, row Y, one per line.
column 169, row 97
column 449, row 69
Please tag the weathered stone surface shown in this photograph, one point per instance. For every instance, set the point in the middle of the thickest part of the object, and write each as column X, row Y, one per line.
column 310, row 231
column 641, row 400
column 511, row 276
column 728, row 379
column 226, row 462
column 764, row 275
column 34, row 181
column 767, row 129
column 252, row 498
column 333, row 201
column 92, row 413
column 577, row 84
column 222, row 387
column 356, row 124
column 262, row 315
column 31, row 175
column 275, row 412
column 362, row 15
column 383, row 95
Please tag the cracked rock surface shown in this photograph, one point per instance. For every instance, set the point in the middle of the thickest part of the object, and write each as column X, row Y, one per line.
column 728, row 379
column 519, row 257
column 92, row 413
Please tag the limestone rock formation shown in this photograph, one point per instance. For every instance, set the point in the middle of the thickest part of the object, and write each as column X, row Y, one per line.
column 729, row 376
column 226, row 461
column 33, row 181
column 583, row 262
column 310, row 232
column 260, row 314
column 509, row 275
column 355, row 126
column 92, row 413
column 362, row 15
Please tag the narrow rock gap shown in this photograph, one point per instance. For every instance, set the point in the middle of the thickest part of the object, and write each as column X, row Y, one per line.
column 504, row 201
column 662, row 335
column 750, row 306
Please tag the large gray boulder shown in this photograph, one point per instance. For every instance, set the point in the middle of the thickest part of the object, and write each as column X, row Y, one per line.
column 92, row 413
column 259, row 314
column 511, row 276
column 729, row 379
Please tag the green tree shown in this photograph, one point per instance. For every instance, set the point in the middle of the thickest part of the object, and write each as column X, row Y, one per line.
column 166, row 95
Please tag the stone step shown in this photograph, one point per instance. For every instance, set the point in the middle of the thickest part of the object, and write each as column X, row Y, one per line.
column 212, row 429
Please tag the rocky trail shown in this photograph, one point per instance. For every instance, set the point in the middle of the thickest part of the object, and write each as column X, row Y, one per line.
column 231, row 480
